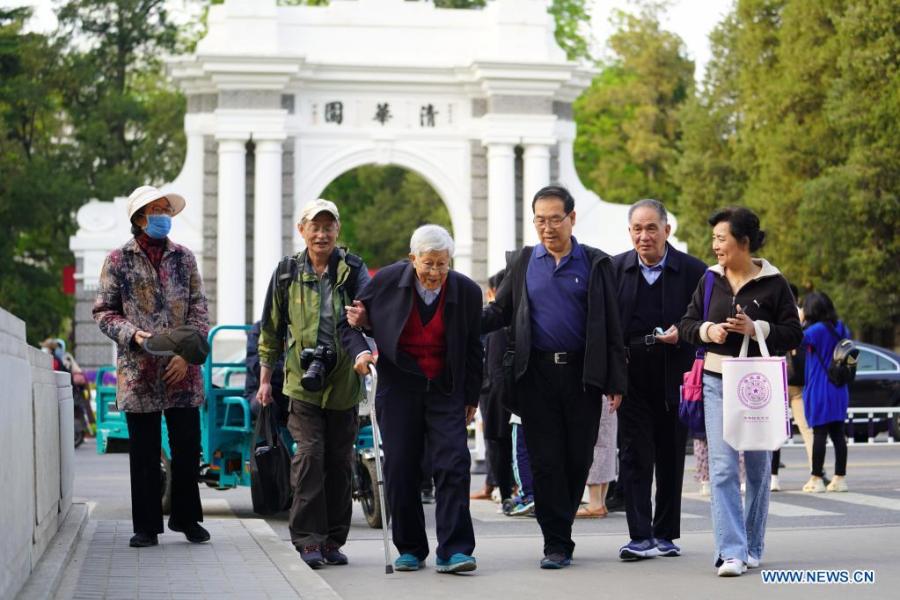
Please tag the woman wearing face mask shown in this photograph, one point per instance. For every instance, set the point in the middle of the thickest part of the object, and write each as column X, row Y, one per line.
column 150, row 286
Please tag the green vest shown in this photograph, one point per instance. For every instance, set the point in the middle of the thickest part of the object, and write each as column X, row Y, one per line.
column 342, row 384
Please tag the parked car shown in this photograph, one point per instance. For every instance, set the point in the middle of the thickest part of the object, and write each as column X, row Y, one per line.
column 877, row 385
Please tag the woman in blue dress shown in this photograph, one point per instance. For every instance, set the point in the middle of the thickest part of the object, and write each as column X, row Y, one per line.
column 824, row 403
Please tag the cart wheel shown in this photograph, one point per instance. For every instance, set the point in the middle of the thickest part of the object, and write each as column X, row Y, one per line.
column 371, row 504
column 165, row 476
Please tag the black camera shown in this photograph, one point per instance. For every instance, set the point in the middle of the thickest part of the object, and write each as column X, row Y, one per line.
column 317, row 363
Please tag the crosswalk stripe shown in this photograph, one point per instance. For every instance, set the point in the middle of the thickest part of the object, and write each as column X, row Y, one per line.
column 861, row 500
column 781, row 509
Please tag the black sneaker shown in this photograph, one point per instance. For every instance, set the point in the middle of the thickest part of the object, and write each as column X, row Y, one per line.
column 428, row 496
column 333, row 555
column 194, row 532
column 312, row 556
column 555, row 560
column 143, row 540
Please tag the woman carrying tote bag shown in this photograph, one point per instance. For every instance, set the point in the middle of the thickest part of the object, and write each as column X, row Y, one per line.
column 746, row 290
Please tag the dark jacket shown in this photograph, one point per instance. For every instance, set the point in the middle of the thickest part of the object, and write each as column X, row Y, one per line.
column 492, row 402
column 767, row 298
column 604, row 353
column 388, row 299
column 682, row 272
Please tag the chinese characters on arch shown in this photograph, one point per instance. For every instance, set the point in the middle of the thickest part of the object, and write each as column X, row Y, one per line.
column 406, row 114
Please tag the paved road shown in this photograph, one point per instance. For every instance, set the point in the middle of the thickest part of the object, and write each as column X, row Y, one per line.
column 858, row 530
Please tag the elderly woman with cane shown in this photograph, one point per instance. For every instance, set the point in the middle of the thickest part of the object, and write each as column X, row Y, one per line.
column 425, row 319
column 152, row 286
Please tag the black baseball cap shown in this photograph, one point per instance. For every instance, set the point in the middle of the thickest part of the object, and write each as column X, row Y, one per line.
column 185, row 341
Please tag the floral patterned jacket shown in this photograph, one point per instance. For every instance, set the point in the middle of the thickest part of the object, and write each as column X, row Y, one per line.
column 133, row 297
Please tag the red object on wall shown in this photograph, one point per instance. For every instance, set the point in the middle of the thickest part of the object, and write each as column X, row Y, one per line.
column 68, row 280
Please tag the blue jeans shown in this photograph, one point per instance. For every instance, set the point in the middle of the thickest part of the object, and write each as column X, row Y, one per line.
column 738, row 530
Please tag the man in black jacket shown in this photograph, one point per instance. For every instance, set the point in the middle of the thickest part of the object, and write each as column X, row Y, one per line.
column 425, row 321
column 559, row 300
column 655, row 283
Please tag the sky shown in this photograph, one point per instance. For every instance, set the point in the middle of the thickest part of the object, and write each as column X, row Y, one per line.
column 690, row 19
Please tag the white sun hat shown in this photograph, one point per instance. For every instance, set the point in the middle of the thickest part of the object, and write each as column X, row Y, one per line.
column 314, row 207
column 146, row 194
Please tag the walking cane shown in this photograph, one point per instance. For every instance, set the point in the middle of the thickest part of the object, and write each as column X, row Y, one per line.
column 376, row 434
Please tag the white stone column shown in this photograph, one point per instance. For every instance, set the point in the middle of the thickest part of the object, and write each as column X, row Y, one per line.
column 501, row 233
column 231, row 241
column 266, row 218
column 536, row 175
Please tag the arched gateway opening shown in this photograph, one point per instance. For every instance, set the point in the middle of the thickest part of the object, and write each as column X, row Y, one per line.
column 380, row 207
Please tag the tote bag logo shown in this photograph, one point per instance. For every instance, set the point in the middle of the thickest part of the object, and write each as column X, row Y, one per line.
column 754, row 390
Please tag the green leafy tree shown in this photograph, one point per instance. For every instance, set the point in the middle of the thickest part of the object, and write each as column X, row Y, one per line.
column 127, row 121
column 799, row 121
column 628, row 124
column 381, row 206
column 38, row 195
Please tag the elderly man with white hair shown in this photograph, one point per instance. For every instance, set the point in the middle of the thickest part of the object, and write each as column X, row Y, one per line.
column 425, row 320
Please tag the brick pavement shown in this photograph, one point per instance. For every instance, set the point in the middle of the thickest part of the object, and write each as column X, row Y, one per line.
column 232, row 565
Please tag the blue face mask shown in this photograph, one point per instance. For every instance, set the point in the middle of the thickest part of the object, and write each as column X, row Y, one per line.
column 158, row 226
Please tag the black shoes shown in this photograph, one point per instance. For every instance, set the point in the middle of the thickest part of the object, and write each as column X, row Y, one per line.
column 333, row 555
column 192, row 531
column 312, row 555
column 143, row 540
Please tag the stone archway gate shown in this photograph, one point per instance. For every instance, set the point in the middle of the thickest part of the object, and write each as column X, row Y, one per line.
column 283, row 99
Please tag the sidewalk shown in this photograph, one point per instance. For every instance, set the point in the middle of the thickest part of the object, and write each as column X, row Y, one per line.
column 244, row 560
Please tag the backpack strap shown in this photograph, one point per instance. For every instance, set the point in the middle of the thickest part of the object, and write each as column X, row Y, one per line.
column 285, row 275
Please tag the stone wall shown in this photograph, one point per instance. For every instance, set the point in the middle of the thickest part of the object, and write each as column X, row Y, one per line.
column 36, row 443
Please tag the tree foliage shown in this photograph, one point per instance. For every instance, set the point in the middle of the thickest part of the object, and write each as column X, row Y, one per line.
column 84, row 113
column 37, row 191
column 799, row 120
column 380, row 207
column 124, row 115
column 628, row 123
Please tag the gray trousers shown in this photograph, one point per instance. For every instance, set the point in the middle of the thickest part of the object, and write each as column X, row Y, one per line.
column 321, row 472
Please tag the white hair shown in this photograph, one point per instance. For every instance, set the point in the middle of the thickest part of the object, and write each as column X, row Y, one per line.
column 431, row 238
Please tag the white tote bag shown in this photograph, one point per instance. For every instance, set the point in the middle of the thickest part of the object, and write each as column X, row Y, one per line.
column 755, row 399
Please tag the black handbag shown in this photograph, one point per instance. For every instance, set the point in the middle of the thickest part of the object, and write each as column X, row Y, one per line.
column 270, row 467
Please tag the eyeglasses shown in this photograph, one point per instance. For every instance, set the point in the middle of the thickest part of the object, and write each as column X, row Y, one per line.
column 552, row 222
column 158, row 210
column 314, row 227
column 426, row 267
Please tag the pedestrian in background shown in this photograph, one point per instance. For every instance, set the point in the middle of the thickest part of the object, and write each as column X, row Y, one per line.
column 745, row 289
column 150, row 286
column 824, row 403
column 603, row 467
column 492, row 404
column 655, row 283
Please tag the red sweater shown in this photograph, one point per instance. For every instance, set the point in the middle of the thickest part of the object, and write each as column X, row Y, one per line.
column 426, row 343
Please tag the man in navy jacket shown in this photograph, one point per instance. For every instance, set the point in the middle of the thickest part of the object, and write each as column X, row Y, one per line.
column 425, row 319
column 655, row 283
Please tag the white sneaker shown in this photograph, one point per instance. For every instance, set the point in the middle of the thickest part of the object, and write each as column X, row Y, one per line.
column 732, row 567
column 752, row 562
column 838, row 484
column 774, row 486
column 704, row 489
column 815, row 485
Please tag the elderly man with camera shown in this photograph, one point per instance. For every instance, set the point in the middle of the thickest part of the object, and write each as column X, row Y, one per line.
column 303, row 305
